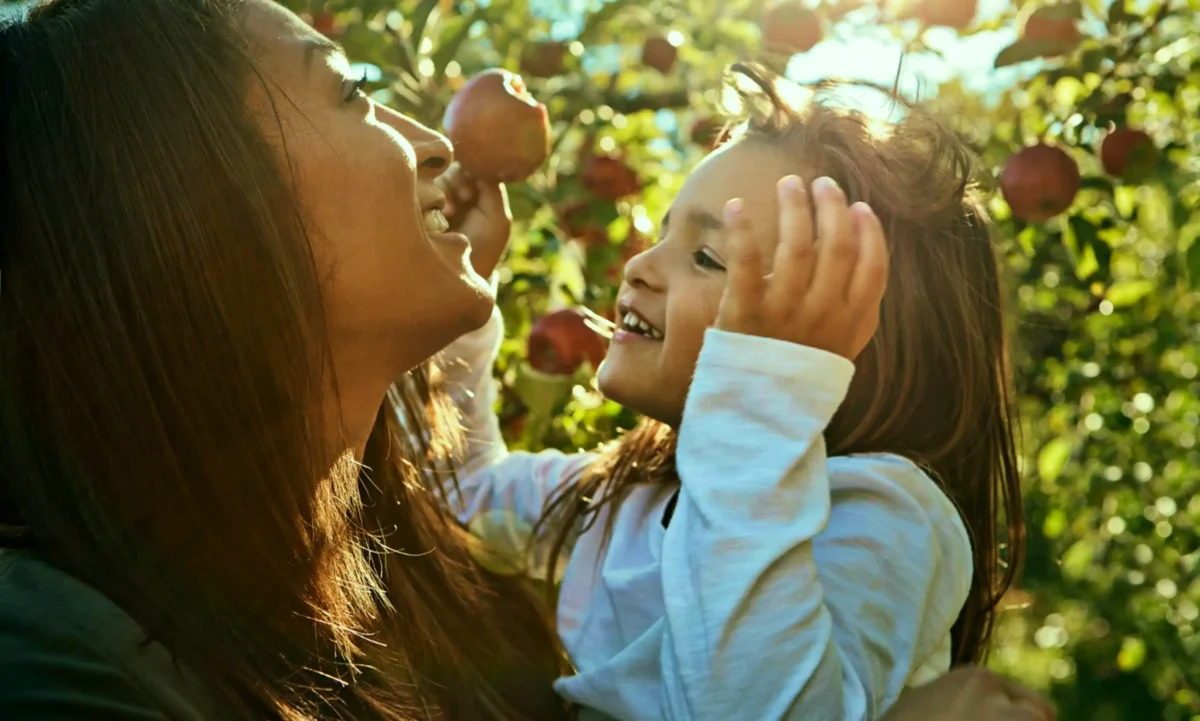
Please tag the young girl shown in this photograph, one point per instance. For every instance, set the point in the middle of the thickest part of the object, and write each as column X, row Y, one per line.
column 807, row 522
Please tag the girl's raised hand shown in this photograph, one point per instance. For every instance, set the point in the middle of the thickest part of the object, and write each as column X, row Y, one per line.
column 478, row 210
column 822, row 292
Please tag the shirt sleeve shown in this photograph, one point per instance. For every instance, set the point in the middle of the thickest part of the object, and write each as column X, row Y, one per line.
column 500, row 493
column 796, row 586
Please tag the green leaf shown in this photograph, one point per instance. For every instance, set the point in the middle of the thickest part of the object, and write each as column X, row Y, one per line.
column 420, row 18
column 1077, row 559
column 1025, row 50
column 602, row 17
column 1052, row 458
column 1102, row 252
column 1060, row 11
column 453, row 35
column 1193, row 263
column 1095, row 182
column 1128, row 292
column 1118, row 14
column 1132, row 654
column 1055, row 523
column 1067, row 91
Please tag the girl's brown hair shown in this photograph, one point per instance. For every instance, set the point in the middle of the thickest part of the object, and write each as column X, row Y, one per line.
column 933, row 384
column 162, row 356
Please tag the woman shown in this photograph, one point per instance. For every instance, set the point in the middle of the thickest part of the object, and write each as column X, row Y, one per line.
column 217, row 256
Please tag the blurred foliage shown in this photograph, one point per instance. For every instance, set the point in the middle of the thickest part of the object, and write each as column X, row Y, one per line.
column 1104, row 315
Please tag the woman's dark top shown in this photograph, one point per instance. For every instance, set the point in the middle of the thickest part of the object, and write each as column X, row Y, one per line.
column 68, row 652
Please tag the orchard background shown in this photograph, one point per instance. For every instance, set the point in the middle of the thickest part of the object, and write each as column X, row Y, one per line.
column 1104, row 307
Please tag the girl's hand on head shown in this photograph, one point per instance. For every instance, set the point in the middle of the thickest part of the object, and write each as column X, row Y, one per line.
column 823, row 292
column 478, row 210
column 971, row 694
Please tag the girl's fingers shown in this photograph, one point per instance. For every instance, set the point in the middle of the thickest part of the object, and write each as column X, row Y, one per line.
column 871, row 271
column 794, row 257
column 836, row 246
column 744, row 290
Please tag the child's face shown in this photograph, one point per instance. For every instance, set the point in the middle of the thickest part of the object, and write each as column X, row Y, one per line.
column 676, row 286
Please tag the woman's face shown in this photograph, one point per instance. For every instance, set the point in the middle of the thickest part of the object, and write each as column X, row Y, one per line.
column 396, row 287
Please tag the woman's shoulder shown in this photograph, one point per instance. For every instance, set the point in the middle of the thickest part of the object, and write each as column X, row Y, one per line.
column 67, row 651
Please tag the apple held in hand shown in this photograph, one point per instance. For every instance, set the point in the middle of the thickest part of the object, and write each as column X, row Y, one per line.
column 501, row 134
column 562, row 341
column 1039, row 182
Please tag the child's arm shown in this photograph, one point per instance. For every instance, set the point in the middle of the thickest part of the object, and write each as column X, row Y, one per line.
column 766, row 619
column 510, row 488
column 490, row 477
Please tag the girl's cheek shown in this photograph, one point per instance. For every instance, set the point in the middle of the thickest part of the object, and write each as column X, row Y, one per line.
column 711, row 303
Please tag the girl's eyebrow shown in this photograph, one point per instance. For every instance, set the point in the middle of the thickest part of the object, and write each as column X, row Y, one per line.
column 702, row 218
column 705, row 220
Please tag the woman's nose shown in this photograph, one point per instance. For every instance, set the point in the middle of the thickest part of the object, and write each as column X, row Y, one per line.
column 434, row 154
column 433, row 150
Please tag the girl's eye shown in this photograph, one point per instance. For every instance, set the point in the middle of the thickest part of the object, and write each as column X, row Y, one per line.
column 351, row 89
column 704, row 259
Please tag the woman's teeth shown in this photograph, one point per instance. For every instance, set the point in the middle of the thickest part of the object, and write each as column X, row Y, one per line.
column 435, row 221
column 632, row 321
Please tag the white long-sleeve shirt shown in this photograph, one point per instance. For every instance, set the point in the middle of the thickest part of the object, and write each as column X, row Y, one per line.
column 786, row 585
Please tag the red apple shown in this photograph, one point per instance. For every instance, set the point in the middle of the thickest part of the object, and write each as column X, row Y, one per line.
column 1129, row 154
column 790, row 27
column 574, row 217
column 608, row 177
column 562, row 341
column 1045, row 25
column 1039, row 182
column 499, row 131
column 956, row 14
column 544, row 59
column 324, row 24
column 514, row 426
column 709, row 132
column 659, row 53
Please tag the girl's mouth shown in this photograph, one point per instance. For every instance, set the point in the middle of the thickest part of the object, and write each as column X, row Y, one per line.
column 633, row 322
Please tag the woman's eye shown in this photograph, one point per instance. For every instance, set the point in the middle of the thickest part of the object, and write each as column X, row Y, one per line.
column 704, row 259
column 351, row 89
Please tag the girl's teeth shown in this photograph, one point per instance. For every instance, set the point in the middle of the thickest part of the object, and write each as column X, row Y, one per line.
column 435, row 221
column 634, row 322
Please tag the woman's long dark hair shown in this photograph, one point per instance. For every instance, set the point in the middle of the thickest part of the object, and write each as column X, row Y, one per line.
column 162, row 349
column 933, row 385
